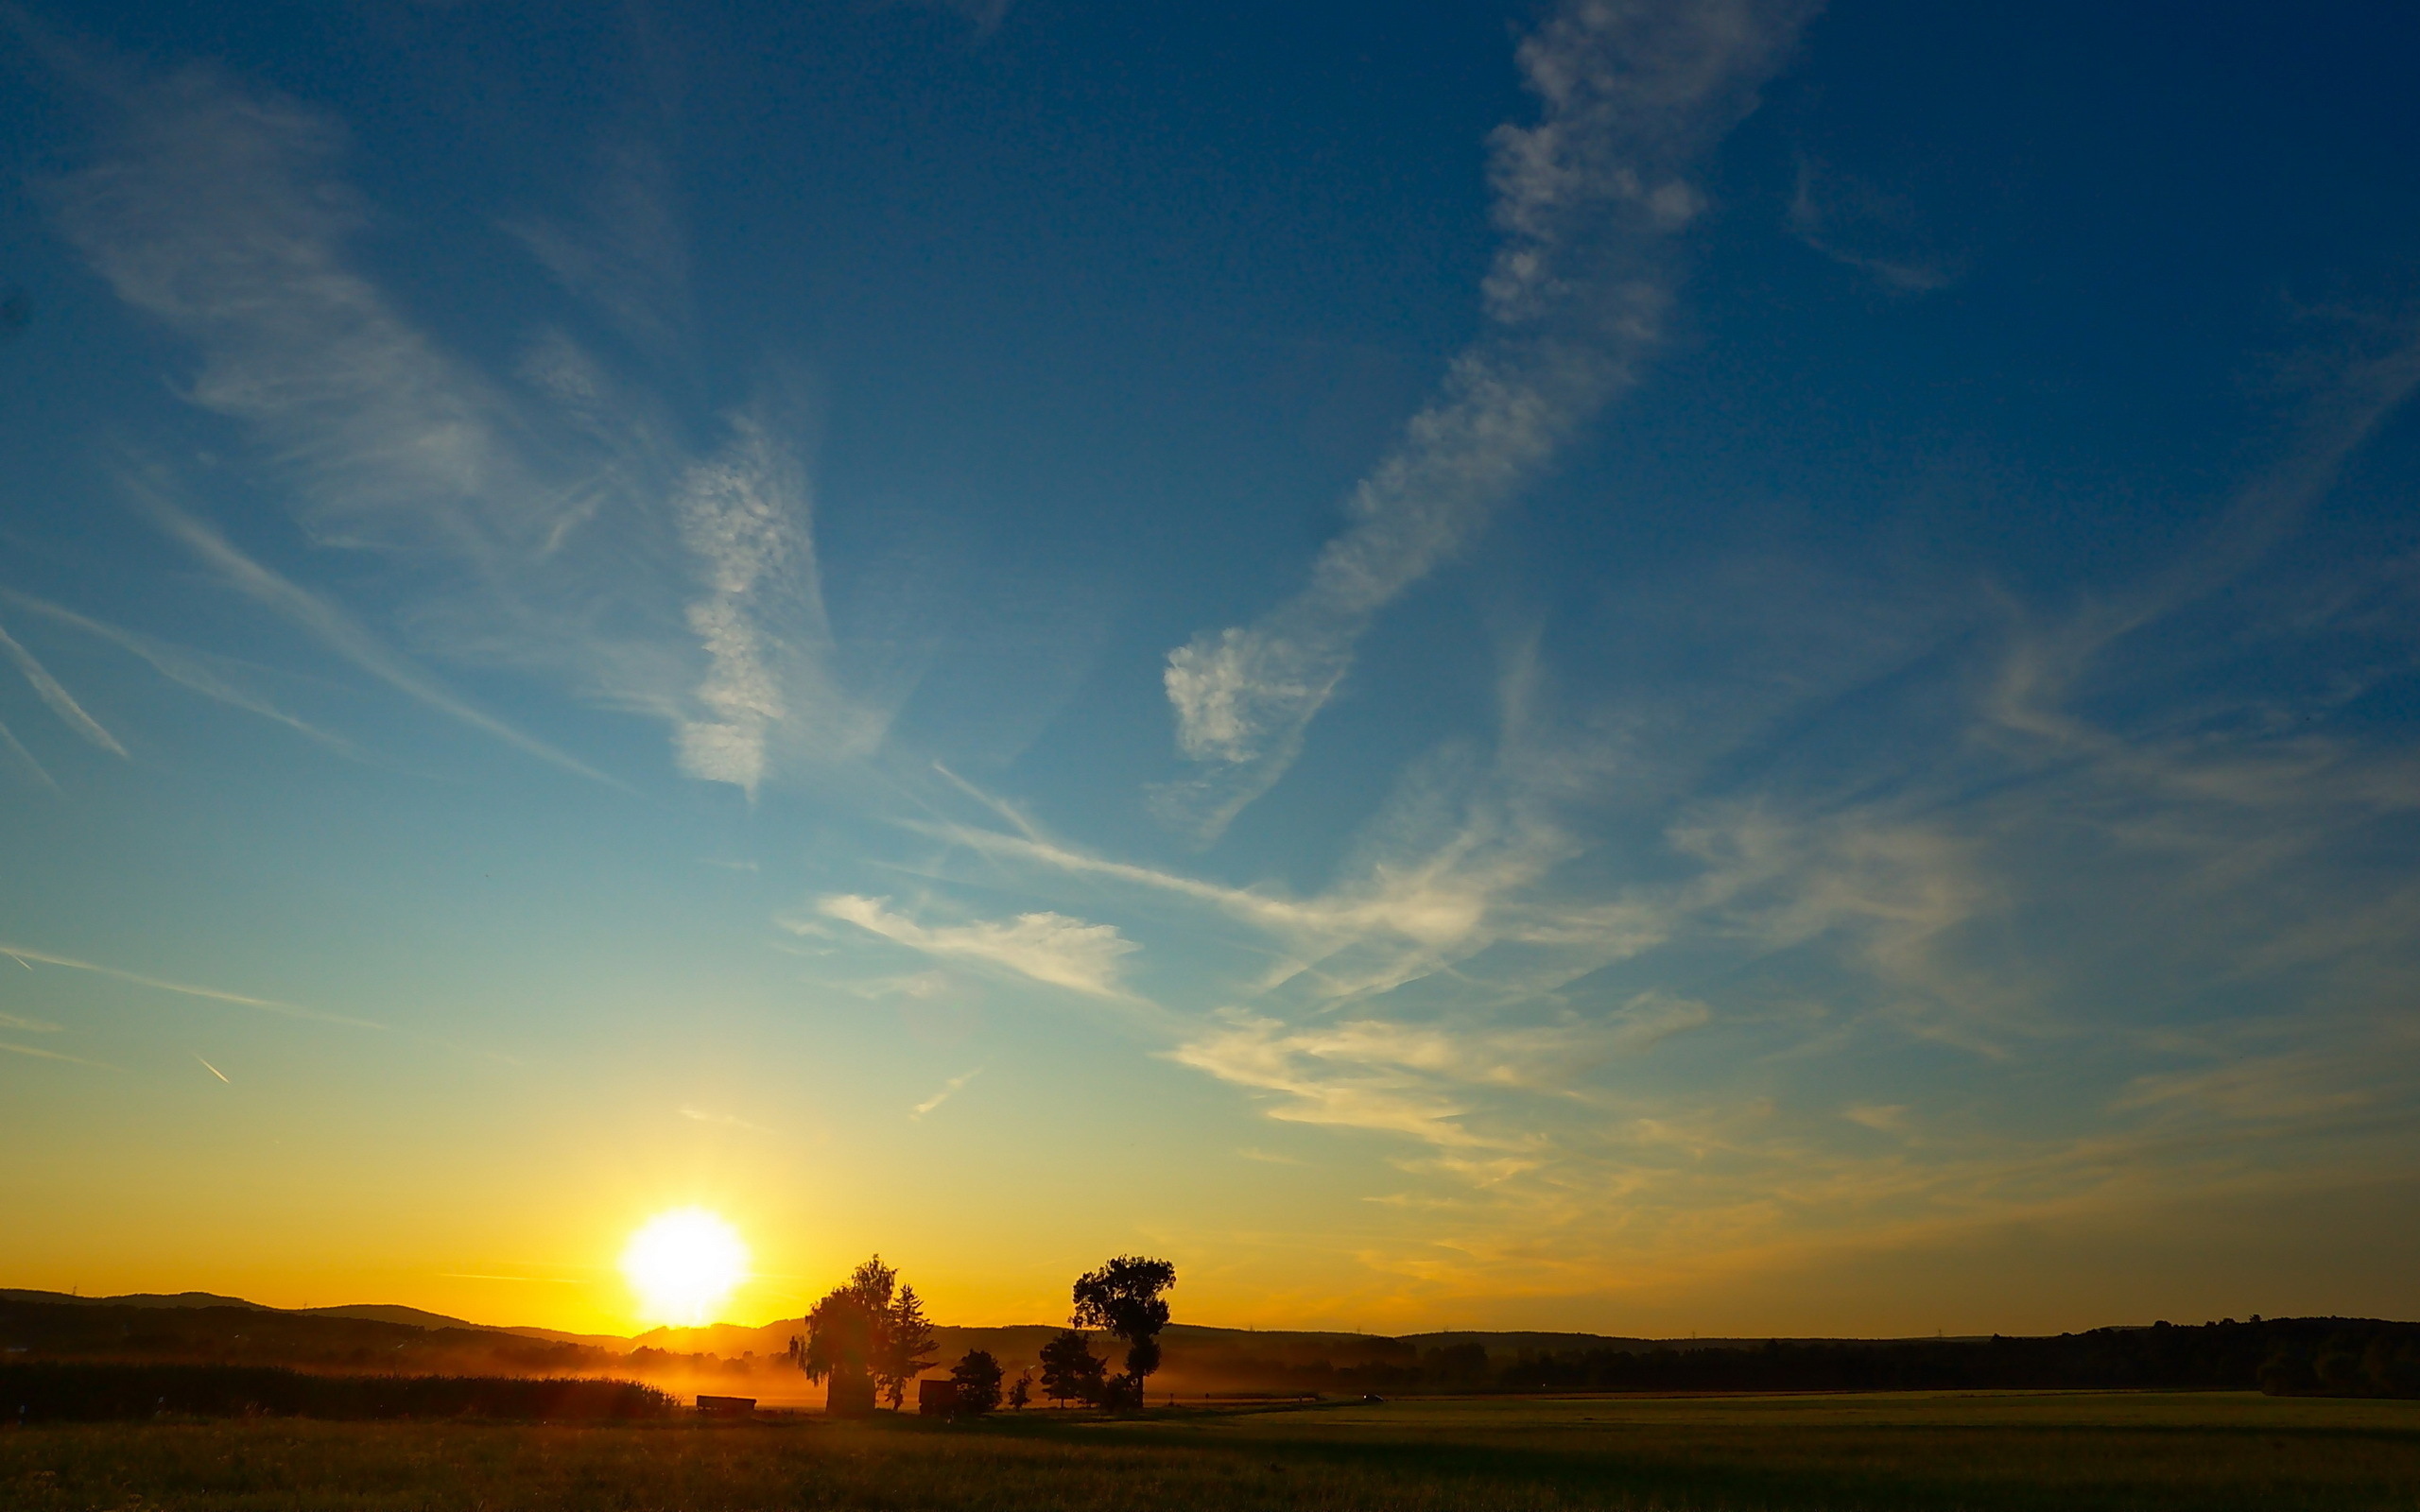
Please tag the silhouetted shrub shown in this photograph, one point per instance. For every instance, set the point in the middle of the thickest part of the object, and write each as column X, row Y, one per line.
column 1071, row 1372
column 978, row 1379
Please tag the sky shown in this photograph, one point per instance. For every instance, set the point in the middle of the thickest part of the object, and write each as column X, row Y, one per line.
column 1635, row 665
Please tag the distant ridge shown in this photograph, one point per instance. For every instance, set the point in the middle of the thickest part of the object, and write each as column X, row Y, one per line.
column 384, row 1313
column 11, row 1294
column 733, row 1339
column 2306, row 1356
column 364, row 1311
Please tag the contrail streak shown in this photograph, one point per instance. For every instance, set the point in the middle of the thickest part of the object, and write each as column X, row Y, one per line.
column 53, row 1055
column 944, row 1094
column 8, row 739
column 22, row 954
column 60, row 702
column 338, row 630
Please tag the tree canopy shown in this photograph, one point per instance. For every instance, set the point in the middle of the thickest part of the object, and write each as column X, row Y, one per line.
column 978, row 1379
column 907, row 1352
column 868, row 1336
column 1070, row 1370
column 1123, row 1297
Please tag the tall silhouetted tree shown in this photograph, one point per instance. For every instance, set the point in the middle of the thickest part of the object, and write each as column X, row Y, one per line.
column 906, row 1352
column 868, row 1336
column 1123, row 1297
column 1070, row 1370
column 844, row 1335
column 978, row 1379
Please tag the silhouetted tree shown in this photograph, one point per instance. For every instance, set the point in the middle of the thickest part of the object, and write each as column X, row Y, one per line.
column 841, row 1338
column 1123, row 1297
column 907, row 1350
column 977, row 1378
column 1070, row 1371
column 868, row 1336
column 1021, row 1391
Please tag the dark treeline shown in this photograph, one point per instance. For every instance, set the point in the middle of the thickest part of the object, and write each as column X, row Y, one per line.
column 2350, row 1357
column 90, row 1391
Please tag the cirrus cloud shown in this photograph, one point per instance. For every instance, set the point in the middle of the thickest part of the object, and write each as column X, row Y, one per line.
column 1045, row 946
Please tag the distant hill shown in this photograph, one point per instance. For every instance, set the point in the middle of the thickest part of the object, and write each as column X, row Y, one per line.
column 132, row 1299
column 367, row 1311
column 387, row 1313
column 1194, row 1352
column 203, row 1326
column 233, row 1331
column 2337, row 1356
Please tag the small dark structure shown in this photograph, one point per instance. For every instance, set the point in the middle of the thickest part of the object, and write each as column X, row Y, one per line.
column 937, row 1398
column 850, row 1395
column 727, row 1406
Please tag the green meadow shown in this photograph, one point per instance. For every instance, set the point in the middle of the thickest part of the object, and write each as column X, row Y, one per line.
column 2069, row 1450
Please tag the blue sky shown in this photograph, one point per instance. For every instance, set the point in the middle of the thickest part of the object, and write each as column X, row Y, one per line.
column 1647, row 666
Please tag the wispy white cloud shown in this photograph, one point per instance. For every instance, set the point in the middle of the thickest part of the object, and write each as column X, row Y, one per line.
column 1533, row 968
column 947, row 1091
column 1860, row 227
column 26, row 952
column 219, row 213
column 338, row 631
column 1433, row 904
column 1876, row 888
column 1462, row 858
column 1648, row 1019
column 586, row 541
column 1633, row 97
column 1440, row 899
column 746, row 517
column 70, row 713
column 1268, row 1157
column 1422, row 1080
column 2049, row 659
column 1045, row 946
column 1015, row 816
column 724, row 1120
column 39, row 1054
column 17, row 749
column 210, row 676
column 24, row 955
column 26, row 1025
column 627, row 256
column 1369, row 1093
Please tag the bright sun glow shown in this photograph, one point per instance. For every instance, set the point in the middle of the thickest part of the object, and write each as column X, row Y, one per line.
column 683, row 1264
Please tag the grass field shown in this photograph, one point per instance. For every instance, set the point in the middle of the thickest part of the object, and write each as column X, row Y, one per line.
column 1936, row 1452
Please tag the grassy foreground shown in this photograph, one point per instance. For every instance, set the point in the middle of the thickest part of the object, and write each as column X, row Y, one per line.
column 1936, row 1452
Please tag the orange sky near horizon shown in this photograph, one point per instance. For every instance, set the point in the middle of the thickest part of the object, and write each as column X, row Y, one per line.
column 554, row 1266
column 1738, row 667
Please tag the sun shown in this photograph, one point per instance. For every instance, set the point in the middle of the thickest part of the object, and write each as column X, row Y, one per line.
column 683, row 1264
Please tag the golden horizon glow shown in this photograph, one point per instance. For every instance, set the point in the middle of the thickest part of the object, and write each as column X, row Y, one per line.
column 685, row 1264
